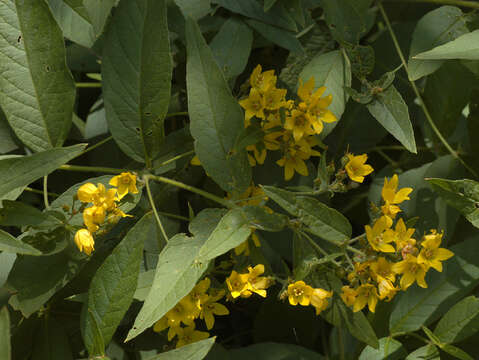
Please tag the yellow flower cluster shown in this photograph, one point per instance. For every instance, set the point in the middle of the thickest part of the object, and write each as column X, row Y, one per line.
column 397, row 259
column 200, row 303
column 244, row 285
column 302, row 294
column 288, row 126
column 104, row 206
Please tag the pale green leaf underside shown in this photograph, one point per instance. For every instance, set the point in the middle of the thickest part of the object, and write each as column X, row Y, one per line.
column 464, row 47
column 11, row 245
column 389, row 349
column 5, row 349
column 194, row 351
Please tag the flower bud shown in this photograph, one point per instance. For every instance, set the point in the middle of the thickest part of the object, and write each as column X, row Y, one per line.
column 84, row 241
column 86, row 192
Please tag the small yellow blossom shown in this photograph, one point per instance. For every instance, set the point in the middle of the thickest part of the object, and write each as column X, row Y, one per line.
column 198, row 295
column 259, row 154
column 274, row 98
column 411, row 271
column 185, row 311
column 299, row 293
column 300, row 124
column 211, row 307
column 378, row 236
column 254, row 105
column 348, row 295
column 431, row 254
column 262, row 81
column 360, row 271
column 93, row 216
column 366, row 295
column 238, row 285
column 189, row 335
column 256, row 283
column 84, row 241
column 403, row 238
column 125, row 183
column 357, row 168
column 319, row 299
column 386, row 288
column 86, row 193
column 318, row 108
column 392, row 197
column 382, row 268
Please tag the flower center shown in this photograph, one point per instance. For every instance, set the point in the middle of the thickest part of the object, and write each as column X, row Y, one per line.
column 298, row 292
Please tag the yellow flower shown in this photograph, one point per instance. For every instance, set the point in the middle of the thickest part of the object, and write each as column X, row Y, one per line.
column 411, row 271
column 262, row 81
column 366, row 295
column 378, row 236
column 198, row 295
column 392, row 197
column 195, row 160
column 294, row 154
column 86, row 193
column 319, row 299
column 93, row 216
column 300, row 124
column 211, row 308
column 431, row 254
column 318, row 108
column 116, row 215
column 259, row 154
column 305, row 90
column 381, row 268
column 299, row 293
column 238, row 285
column 84, row 241
column 348, row 295
column 254, row 105
column 188, row 335
column 403, row 238
column 185, row 311
column 360, row 271
column 357, row 168
column 256, row 283
column 386, row 289
column 274, row 98
column 125, row 183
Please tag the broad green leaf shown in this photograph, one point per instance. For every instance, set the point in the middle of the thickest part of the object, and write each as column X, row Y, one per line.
column 418, row 307
column 276, row 16
column 11, row 245
column 260, row 218
column 463, row 195
column 5, row 347
column 389, row 349
column 195, row 351
column 333, row 71
column 74, row 21
column 21, row 171
column 273, row 351
column 16, row 213
column 145, row 279
column 231, row 47
column 427, row 352
column 112, row 288
column 34, row 281
column 278, row 36
column 6, row 263
column 98, row 13
column 348, row 20
column 435, row 28
column 456, row 352
column 216, row 117
column 464, row 47
column 7, row 142
column 38, row 91
column 194, row 8
column 460, row 322
column 177, row 271
column 323, row 221
column 136, row 73
column 268, row 4
column 392, row 113
column 51, row 342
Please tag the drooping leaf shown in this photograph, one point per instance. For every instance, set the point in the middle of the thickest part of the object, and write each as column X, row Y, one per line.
column 51, row 342
column 195, row 351
column 38, row 91
column 323, row 221
column 460, row 322
column 458, row 353
column 390, row 110
column 429, row 352
column 136, row 73
column 21, row 171
column 464, row 47
column 216, row 118
column 112, row 288
column 11, row 245
column 435, row 28
column 278, row 36
column 389, row 349
column 5, row 347
column 231, row 47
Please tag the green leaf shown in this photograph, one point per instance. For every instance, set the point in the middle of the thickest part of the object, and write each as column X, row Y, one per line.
column 392, row 113
column 435, row 28
column 11, row 245
column 333, row 71
column 348, row 20
column 6, row 135
column 418, row 307
column 194, row 8
column 463, row 195
column 231, row 47
column 112, row 288
column 268, row 4
column 5, row 347
column 464, row 47
column 177, row 271
column 260, row 218
column 195, row 351
column 273, row 351
column 16, row 213
column 20, row 171
column 136, row 73
column 389, row 349
column 98, row 13
column 38, row 91
column 278, row 36
column 456, row 352
column 460, row 322
column 426, row 352
column 51, row 342
column 276, row 16
column 323, row 221
column 216, row 117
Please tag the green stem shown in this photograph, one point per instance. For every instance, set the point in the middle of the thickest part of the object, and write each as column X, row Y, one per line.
column 386, row 157
column 217, row 199
column 102, row 169
column 181, row 113
column 312, row 193
column 350, row 248
column 35, row 191
column 191, row 152
column 174, row 216
column 403, row 333
column 88, row 84
column 418, row 95
column 463, row 3
column 317, row 247
column 99, row 143
column 45, row 192
column 155, row 212
column 354, row 239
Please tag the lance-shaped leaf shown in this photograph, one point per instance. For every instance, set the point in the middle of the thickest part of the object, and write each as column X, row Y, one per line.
column 216, row 117
column 389, row 349
column 22, row 170
column 112, row 288
column 11, row 245
column 464, row 47
column 136, row 73
column 323, row 221
column 5, row 349
column 98, row 12
column 37, row 89
column 392, row 113
column 194, row 351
